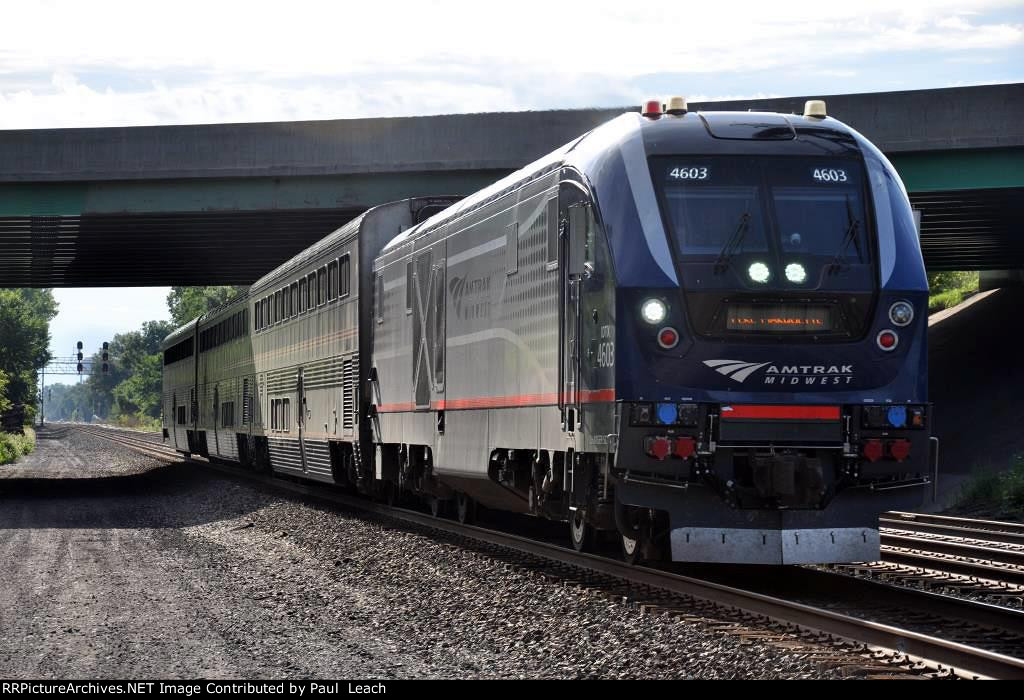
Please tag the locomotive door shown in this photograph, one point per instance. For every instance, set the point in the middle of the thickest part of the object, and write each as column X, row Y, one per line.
column 428, row 328
column 571, row 255
column 300, row 417
column 216, row 420
column 174, row 417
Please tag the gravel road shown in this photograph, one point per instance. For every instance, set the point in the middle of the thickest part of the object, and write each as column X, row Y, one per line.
column 117, row 565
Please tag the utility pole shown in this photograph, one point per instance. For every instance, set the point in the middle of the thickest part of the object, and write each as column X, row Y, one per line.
column 42, row 392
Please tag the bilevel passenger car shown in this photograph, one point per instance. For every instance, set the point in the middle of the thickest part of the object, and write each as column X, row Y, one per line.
column 703, row 332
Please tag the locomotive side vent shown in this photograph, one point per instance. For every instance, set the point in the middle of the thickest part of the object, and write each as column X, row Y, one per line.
column 348, row 394
column 246, row 402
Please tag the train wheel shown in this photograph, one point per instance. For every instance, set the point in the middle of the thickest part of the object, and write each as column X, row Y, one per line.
column 465, row 509
column 630, row 550
column 581, row 534
column 438, row 507
column 261, row 459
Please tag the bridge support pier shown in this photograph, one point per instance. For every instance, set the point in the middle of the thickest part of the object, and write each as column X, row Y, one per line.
column 994, row 279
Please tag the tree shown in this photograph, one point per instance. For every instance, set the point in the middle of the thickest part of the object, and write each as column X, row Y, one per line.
column 25, row 316
column 5, row 404
column 139, row 394
column 130, row 392
column 131, row 387
column 68, row 402
column 139, row 369
column 186, row 303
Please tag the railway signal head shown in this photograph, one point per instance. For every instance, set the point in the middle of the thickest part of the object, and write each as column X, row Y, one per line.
column 80, row 345
column 106, row 367
column 79, row 357
column 79, row 367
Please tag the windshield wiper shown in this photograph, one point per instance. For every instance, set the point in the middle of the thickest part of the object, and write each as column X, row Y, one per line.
column 729, row 249
column 852, row 235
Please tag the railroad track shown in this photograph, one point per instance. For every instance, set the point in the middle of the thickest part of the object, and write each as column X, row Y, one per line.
column 971, row 639
column 989, row 530
column 988, row 554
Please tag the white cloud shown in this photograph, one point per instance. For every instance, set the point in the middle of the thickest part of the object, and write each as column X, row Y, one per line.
column 117, row 62
column 121, row 62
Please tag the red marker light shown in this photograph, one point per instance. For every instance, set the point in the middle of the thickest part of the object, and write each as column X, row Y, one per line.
column 668, row 337
column 652, row 109
column 899, row 449
column 658, row 447
column 685, row 447
column 872, row 450
column 887, row 340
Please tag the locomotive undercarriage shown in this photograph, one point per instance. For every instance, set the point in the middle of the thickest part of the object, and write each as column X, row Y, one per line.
column 753, row 500
column 753, row 504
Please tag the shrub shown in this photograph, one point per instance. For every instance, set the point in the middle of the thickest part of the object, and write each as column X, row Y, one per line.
column 14, row 446
column 1001, row 492
column 950, row 288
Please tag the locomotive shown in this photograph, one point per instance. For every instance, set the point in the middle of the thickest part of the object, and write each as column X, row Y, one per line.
column 701, row 333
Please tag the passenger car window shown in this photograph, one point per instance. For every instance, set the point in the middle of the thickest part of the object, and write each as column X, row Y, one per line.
column 332, row 280
column 344, row 277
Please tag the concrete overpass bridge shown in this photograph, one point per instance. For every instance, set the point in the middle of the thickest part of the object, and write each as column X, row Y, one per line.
column 222, row 204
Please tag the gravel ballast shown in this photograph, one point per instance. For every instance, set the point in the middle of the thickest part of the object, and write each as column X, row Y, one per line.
column 117, row 565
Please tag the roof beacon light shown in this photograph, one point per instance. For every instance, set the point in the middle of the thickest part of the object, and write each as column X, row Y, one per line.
column 652, row 109
column 815, row 108
column 676, row 106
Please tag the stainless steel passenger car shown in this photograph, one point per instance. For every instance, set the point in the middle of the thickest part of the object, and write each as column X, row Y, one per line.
column 272, row 379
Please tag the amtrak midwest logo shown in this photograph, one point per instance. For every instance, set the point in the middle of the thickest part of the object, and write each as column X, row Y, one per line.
column 807, row 375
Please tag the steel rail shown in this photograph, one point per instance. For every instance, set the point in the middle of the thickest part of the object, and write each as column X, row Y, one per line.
column 922, row 647
column 988, row 526
column 960, row 567
column 958, row 549
column 952, row 531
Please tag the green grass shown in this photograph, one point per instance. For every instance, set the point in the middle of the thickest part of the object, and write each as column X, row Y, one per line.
column 14, row 446
column 1000, row 493
column 948, row 289
column 137, row 420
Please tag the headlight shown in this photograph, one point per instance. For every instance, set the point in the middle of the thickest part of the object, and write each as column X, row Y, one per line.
column 901, row 313
column 759, row 272
column 796, row 273
column 653, row 311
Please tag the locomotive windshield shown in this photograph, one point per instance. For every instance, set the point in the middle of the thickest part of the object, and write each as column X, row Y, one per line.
column 771, row 222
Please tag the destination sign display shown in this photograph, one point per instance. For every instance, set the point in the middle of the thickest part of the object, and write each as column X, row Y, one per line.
column 803, row 318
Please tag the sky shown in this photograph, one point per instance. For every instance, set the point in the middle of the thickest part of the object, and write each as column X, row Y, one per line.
column 94, row 315
column 113, row 63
